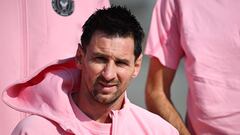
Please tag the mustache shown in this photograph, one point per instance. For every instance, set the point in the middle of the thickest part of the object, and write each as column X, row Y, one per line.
column 103, row 81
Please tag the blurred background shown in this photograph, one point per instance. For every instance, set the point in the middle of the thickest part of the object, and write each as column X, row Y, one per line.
column 143, row 11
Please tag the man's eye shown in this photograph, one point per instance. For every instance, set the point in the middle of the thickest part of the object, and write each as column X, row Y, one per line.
column 100, row 59
column 120, row 63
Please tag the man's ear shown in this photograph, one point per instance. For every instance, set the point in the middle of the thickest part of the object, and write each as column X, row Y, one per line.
column 79, row 56
column 138, row 64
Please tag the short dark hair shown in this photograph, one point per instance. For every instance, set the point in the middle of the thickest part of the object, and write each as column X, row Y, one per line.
column 114, row 21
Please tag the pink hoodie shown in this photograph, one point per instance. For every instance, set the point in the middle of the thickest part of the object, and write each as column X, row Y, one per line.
column 48, row 97
column 32, row 35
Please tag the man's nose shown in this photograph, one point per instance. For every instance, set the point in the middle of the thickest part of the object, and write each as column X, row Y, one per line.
column 109, row 71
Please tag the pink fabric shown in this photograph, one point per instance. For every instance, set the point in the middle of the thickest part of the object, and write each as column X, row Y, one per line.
column 32, row 35
column 48, row 97
column 207, row 35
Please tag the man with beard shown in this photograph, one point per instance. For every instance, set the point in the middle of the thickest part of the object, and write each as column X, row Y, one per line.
column 87, row 94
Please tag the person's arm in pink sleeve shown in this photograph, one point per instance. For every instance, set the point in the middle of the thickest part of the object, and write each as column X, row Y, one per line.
column 158, row 100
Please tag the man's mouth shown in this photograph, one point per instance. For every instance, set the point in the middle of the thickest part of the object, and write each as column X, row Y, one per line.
column 108, row 84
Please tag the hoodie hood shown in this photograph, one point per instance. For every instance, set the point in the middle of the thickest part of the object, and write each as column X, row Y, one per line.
column 46, row 94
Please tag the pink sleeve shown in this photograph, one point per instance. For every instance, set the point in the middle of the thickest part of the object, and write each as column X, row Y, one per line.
column 164, row 38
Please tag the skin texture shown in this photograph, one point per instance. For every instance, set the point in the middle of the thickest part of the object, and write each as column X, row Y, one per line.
column 158, row 96
column 108, row 66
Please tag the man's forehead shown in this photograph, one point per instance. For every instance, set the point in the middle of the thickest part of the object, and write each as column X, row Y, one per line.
column 112, row 44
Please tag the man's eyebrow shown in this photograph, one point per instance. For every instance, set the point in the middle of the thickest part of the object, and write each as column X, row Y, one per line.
column 97, row 54
column 123, row 60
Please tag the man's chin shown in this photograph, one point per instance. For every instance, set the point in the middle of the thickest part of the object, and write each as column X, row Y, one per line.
column 105, row 99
